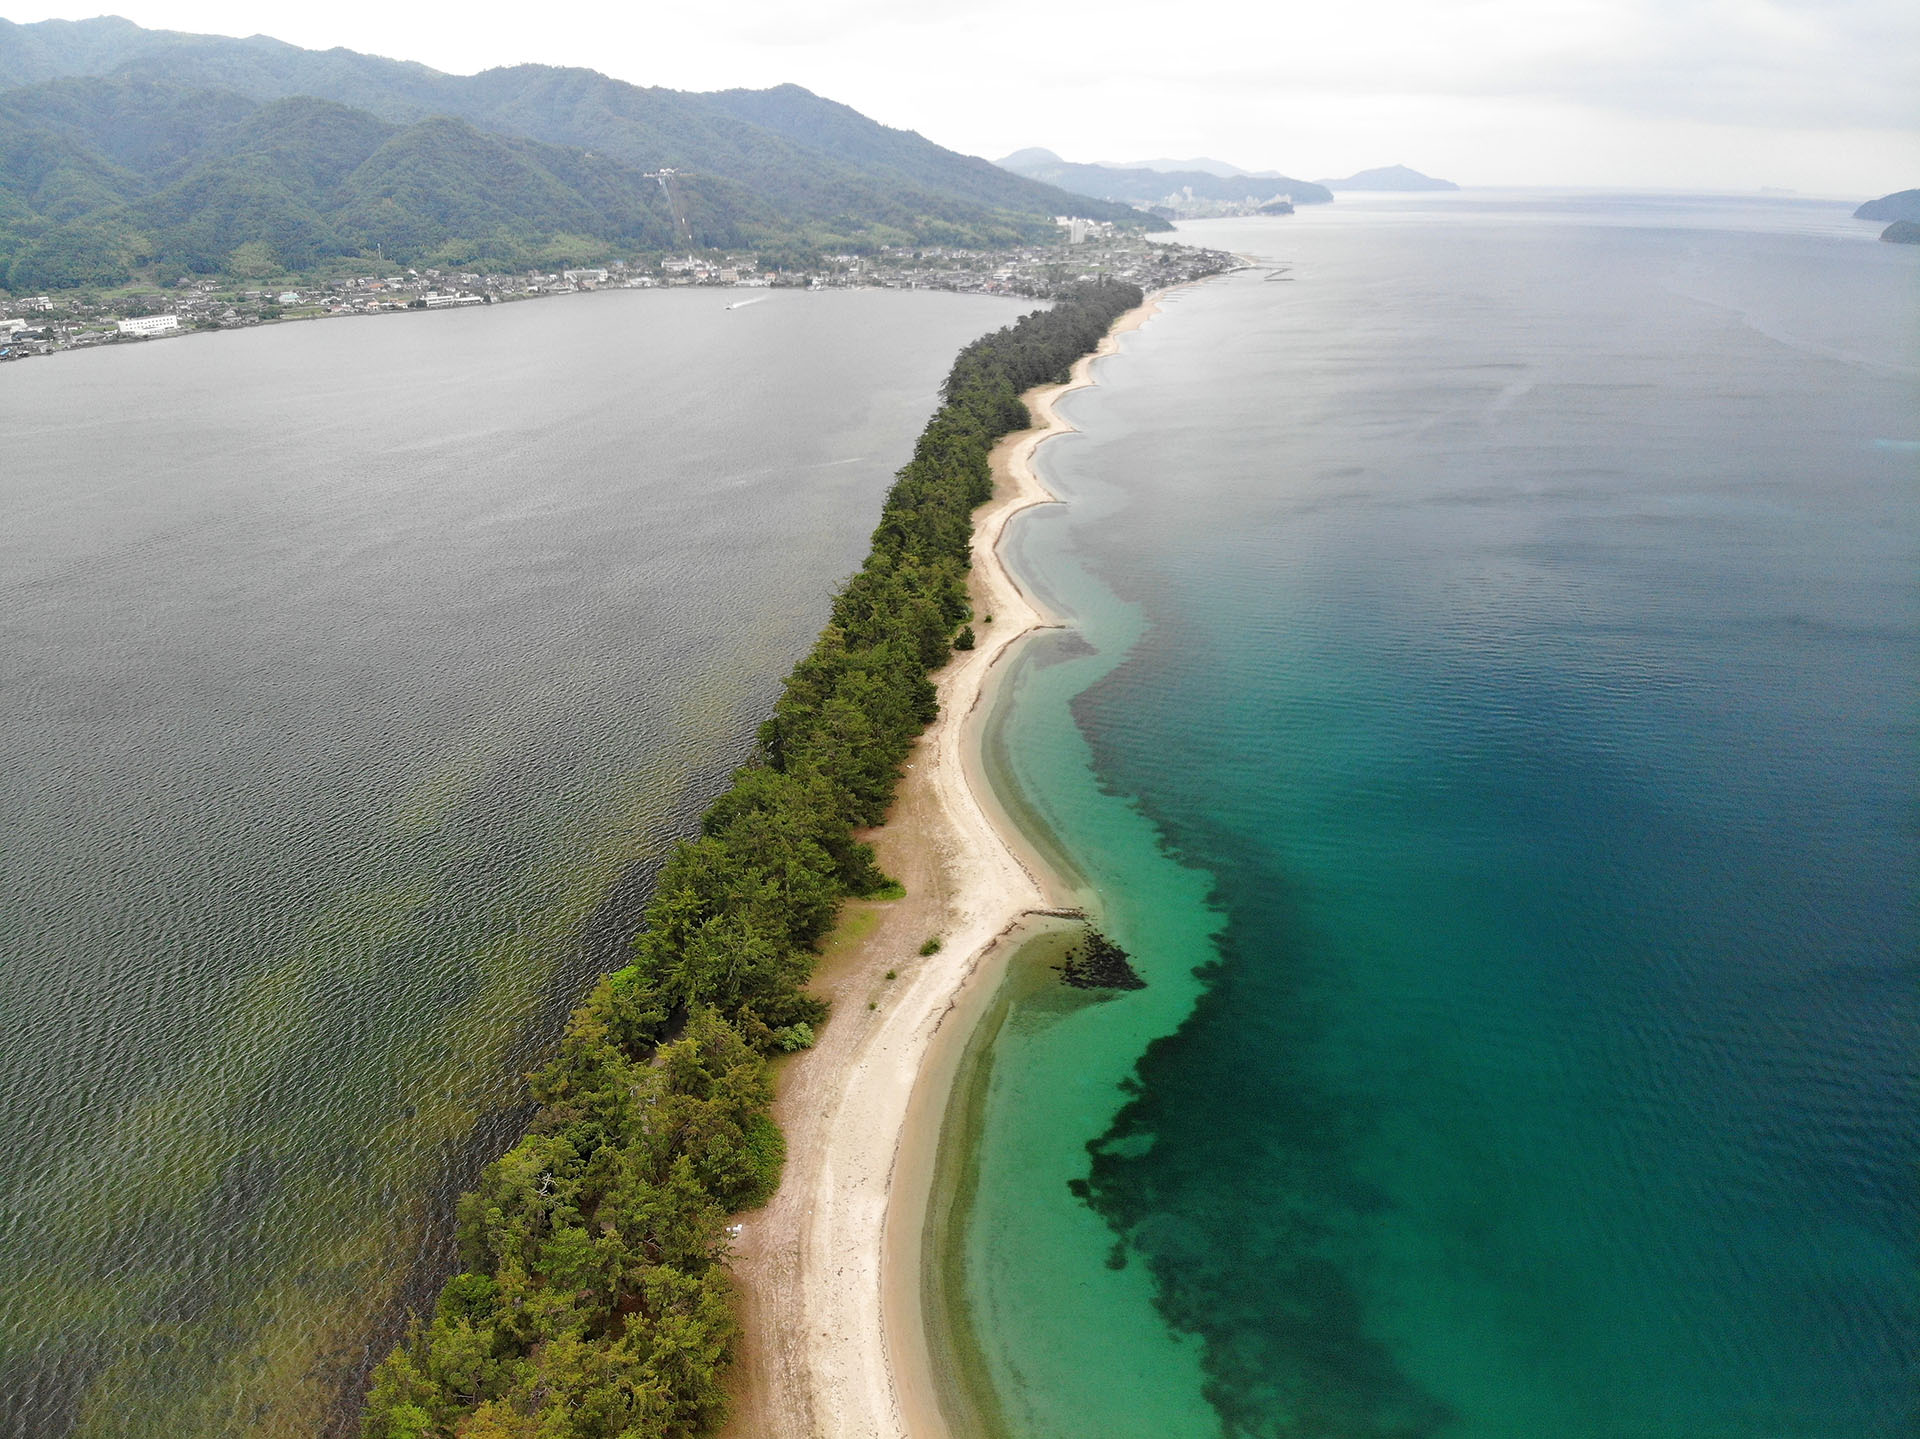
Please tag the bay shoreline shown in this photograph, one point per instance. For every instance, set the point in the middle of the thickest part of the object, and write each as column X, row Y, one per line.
column 833, row 1298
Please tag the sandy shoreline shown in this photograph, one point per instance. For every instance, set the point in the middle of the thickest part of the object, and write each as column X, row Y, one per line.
column 829, row 1271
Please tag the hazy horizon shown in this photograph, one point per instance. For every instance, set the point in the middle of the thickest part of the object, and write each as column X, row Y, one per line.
column 1733, row 96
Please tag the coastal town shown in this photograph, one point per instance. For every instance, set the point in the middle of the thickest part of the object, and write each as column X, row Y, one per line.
column 1085, row 250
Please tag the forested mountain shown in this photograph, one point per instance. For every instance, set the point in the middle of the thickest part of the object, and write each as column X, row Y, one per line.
column 54, row 48
column 900, row 155
column 1143, row 186
column 102, row 177
column 122, row 147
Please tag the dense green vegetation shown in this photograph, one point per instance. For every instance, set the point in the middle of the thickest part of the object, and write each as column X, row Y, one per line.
column 593, row 1300
column 100, row 179
column 123, row 149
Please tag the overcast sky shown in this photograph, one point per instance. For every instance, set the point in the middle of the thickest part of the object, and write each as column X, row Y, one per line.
column 1818, row 95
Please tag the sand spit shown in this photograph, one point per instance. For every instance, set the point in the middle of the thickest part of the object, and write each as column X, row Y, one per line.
column 830, row 1269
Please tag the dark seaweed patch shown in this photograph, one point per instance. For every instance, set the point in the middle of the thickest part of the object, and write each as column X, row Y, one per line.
column 1252, row 1221
column 1098, row 963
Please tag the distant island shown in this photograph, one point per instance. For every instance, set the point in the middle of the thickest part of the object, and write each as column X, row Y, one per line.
column 1390, row 177
column 1902, row 207
column 1172, row 194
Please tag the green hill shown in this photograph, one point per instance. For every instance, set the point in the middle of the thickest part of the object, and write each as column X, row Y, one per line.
column 107, row 177
column 899, row 155
column 110, row 134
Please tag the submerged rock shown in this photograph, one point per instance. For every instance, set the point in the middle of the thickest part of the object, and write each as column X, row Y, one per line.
column 1098, row 963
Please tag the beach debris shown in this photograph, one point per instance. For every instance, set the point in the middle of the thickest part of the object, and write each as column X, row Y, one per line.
column 1098, row 963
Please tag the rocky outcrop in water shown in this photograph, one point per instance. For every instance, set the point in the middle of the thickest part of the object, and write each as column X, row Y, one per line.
column 1098, row 963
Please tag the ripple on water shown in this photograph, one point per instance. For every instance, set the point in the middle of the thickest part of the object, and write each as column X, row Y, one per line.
column 1553, row 773
column 356, row 676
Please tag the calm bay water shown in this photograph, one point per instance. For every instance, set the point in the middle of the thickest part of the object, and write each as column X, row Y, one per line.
column 353, row 678
column 1496, row 666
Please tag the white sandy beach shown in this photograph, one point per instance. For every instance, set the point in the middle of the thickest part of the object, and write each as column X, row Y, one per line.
column 830, row 1269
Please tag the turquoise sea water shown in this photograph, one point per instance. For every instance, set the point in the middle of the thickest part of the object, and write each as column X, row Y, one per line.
column 1495, row 669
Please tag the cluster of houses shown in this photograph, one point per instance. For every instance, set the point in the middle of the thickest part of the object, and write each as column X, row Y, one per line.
column 40, row 324
column 1103, row 252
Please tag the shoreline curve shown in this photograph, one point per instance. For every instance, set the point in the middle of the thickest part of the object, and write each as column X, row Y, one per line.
column 830, row 1270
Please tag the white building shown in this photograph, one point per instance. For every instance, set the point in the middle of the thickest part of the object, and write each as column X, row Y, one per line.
column 150, row 325
column 574, row 277
column 442, row 302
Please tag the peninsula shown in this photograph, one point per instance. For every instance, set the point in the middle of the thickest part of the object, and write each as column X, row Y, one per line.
column 595, row 1291
column 1900, row 205
column 831, row 1269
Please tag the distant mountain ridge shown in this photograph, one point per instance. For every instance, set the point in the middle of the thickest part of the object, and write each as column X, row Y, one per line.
column 111, row 135
column 1203, row 163
column 1143, row 186
column 1043, row 163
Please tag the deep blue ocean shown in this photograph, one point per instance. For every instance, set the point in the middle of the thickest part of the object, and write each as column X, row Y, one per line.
column 1490, row 719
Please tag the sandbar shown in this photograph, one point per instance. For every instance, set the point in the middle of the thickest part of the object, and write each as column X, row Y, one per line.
column 829, row 1271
